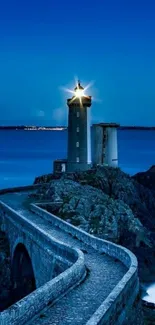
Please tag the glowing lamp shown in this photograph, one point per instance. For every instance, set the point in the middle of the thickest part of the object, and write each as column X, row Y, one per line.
column 79, row 90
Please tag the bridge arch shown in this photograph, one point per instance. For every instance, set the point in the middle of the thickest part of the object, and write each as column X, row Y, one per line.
column 22, row 272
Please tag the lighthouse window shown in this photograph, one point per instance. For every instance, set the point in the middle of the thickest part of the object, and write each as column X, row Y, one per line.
column 77, row 114
column 77, row 159
column 77, row 144
column 77, row 129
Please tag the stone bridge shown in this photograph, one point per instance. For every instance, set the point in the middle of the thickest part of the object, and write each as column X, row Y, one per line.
column 75, row 278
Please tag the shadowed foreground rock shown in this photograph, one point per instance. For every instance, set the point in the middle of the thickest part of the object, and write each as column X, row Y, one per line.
column 5, row 272
column 146, row 178
column 110, row 204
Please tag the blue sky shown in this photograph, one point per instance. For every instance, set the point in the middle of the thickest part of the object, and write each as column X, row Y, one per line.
column 44, row 45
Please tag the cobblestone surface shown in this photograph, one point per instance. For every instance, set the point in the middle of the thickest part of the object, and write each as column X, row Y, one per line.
column 104, row 273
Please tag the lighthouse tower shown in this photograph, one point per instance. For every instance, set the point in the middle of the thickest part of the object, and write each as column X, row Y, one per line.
column 79, row 141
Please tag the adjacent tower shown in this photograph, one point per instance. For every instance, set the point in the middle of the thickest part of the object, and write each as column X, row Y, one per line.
column 104, row 144
column 79, row 139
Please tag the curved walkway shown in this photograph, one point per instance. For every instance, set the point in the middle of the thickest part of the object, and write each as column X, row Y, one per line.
column 79, row 304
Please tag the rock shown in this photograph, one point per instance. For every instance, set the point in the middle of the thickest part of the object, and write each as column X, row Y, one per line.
column 46, row 178
column 110, row 204
column 147, row 178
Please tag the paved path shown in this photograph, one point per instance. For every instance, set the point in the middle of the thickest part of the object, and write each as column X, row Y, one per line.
column 78, row 305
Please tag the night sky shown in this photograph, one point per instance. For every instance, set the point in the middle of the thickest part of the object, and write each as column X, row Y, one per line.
column 45, row 45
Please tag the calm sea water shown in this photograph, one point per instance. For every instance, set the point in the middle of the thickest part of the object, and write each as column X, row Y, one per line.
column 27, row 154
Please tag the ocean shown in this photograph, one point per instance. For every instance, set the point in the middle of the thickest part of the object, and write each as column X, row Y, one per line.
column 27, row 154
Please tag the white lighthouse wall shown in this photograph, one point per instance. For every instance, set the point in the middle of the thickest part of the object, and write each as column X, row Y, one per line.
column 111, row 147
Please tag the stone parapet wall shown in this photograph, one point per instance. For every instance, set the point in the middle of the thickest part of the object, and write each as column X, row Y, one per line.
column 32, row 304
column 115, row 309
column 31, row 230
column 20, row 188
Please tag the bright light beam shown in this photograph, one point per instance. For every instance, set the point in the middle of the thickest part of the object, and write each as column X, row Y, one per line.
column 89, row 85
column 68, row 90
column 78, row 93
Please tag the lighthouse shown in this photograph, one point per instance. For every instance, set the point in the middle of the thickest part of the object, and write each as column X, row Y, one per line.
column 79, row 139
column 101, row 138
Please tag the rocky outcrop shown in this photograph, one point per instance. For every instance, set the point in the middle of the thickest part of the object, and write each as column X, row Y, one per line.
column 94, row 211
column 110, row 204
column 146, row 178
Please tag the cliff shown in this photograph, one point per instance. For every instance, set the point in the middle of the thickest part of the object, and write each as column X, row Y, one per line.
column 110, row 204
